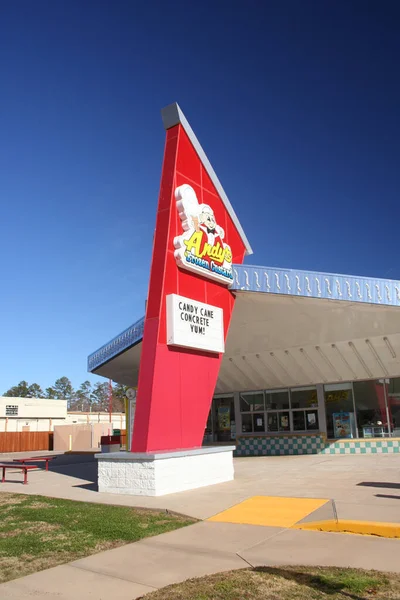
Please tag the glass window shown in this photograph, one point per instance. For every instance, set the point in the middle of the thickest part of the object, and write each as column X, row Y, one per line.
column 272, row 422
column 272, row 411
column 253, row 401
column 258, row 422
column 370, row 402
column 312, row 420
column 338, row 400
column 393, row 397
column 277, row 400
column 284, row 421
column 299, row 422
column 305, row 420
column 278, row 421
column 304, row 398
column 224, row 418
column 247, row 423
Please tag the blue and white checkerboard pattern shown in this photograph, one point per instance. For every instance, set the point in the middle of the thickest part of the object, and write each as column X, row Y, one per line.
column 312, row 444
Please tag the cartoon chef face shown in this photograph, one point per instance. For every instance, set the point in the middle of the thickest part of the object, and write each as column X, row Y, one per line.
column 207, row 218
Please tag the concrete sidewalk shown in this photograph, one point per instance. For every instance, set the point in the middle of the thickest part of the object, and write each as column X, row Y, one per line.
column 133, row 570
column 364, row 487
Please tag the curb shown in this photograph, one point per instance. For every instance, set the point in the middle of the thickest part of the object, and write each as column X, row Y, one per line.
column 387, row 530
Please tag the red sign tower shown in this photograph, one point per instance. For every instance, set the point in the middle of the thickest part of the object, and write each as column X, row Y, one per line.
column 197, row 239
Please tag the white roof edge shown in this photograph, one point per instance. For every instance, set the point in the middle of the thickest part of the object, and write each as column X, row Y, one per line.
column 171, row 116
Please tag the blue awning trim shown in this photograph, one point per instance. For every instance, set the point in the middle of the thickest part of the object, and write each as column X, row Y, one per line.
column 268, row 280
column 128, row 338
column 316, row 285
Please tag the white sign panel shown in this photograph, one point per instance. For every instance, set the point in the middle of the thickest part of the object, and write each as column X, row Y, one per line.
column 193, row 324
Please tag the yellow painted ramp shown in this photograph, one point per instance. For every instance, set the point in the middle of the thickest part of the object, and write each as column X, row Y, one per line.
column 270, row 511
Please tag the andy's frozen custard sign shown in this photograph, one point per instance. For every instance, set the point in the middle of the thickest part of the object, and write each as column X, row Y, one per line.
column 201, row 248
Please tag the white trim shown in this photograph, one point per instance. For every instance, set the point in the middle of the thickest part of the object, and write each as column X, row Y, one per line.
column 171, row 116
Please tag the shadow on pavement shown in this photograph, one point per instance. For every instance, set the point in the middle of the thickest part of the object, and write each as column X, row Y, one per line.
column 380, row 484
column 80, row 466
column 92, row 487
column 387, row 496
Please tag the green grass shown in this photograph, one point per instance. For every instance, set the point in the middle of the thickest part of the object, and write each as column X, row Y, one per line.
column 356, row 582
column 291, row 583
column 38, row 532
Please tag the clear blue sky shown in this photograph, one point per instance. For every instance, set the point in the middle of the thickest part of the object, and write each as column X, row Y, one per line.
column 295, row 103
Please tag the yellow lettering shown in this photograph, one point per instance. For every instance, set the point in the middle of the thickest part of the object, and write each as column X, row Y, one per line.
column 227, row 255
column 194, row 242
column 217, row 252
column 206, row 250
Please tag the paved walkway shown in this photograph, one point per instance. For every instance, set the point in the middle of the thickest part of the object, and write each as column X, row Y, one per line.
column 363, row 487
column 130, row 571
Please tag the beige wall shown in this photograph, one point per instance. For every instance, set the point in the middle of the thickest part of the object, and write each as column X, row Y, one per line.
column 34, row 408
column 117, row 419
column 42, row 415
column 79, row 437
column 15, row 424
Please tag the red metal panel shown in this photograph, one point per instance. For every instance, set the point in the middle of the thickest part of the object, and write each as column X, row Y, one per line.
column 176, row 386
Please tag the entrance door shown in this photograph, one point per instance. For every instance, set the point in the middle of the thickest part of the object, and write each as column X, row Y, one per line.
column 221, row 423
column 224, row 419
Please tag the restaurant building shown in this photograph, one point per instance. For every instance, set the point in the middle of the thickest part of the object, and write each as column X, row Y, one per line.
column 310, row 358
column 309, row 362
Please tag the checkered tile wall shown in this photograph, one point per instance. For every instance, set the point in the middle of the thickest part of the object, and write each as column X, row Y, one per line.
column 314, row 444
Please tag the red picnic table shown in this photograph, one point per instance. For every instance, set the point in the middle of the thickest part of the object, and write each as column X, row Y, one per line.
column 23, row 468
column 35, row 459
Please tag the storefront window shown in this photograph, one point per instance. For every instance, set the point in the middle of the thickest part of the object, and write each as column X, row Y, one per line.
column 339, row 406
column 278, row 421
column 284, row 421
column 353, row 409
column 370, row 401
column 299, row 420
column 247, row 423
column 221, row 422
column 258, row 422
column 393, row 398
column 277, row 400
column 253, row 423
column 252, row 402
column 272, row 421
column 304, row 398
column 312, row 420
column 209, row 431
column 276, row 415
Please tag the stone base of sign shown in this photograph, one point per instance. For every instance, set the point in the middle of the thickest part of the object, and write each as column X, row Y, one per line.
column 161, row 473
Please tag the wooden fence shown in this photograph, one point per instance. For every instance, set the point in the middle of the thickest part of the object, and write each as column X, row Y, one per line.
column 25, row 441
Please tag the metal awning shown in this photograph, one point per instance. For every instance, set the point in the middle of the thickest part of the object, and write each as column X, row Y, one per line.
column 290, row 328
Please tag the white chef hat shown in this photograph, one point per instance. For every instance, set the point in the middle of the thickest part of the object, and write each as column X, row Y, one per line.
column 205, row 208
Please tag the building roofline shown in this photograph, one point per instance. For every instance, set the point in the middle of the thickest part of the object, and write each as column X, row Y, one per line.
column 271, row 280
